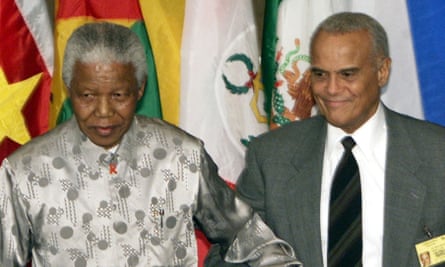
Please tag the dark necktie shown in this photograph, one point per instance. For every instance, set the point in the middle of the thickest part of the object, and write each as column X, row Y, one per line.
column 345, row 212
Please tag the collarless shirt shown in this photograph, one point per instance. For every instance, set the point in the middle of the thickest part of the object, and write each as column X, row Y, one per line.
column 67, row 208
column 370, row 153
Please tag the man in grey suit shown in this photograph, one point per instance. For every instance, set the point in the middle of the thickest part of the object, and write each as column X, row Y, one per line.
column 289, row 171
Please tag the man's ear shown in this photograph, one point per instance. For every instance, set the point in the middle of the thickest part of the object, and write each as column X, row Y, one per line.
column 141, row 90
column 384, row 71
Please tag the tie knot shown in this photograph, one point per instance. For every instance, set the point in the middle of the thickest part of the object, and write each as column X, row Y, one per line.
column 348, row 143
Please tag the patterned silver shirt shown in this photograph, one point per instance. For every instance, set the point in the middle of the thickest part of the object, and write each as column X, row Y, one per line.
column 65, row 201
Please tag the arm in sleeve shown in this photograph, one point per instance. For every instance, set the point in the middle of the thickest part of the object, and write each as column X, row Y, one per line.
column 230, row 222
column 14, row 227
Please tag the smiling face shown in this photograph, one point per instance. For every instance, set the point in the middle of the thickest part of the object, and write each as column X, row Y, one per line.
column 346, row 78
column 104, row 98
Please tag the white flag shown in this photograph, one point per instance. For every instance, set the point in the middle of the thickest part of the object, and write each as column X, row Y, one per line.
column 221, row 96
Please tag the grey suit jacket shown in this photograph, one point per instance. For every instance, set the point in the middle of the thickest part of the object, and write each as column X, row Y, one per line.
column 282, row 182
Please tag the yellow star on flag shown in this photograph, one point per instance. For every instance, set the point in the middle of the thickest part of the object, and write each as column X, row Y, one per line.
column 12, row 99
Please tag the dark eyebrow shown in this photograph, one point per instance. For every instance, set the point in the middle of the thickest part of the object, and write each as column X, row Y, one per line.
column 315, row 69
column 352, row 69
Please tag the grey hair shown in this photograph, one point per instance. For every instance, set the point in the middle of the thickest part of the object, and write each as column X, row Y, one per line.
column 103, row 42
column 346, row 22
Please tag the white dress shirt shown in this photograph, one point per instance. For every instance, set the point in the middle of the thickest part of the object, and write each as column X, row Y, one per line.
column 370, row 153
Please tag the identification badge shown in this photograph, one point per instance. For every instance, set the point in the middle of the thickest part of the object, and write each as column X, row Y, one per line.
column 431, row 252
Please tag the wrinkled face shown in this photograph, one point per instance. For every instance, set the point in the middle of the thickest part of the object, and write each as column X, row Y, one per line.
column 346, row 78
column 104, row 98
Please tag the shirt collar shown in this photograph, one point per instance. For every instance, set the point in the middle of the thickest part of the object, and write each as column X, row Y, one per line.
column 366, row 137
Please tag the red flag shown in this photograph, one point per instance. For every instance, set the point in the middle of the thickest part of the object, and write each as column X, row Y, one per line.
column 26, row 54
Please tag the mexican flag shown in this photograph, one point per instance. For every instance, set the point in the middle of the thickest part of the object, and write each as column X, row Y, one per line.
column 74, row 13
column 414, row 29
column 288, row 25
column 26, row 68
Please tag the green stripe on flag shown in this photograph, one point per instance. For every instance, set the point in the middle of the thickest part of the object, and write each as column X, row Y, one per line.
column 65, row 112
column 150, row 104
column 269, row 65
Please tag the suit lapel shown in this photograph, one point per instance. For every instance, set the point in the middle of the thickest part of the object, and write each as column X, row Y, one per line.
column 404, row 195
column 304, row 190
